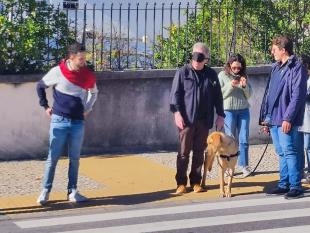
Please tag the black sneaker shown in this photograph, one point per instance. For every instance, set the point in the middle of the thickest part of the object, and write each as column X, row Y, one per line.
column 294, row 194
column 277, row 191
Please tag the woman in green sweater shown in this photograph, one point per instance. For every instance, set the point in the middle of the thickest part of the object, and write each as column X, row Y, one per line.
column 236, row 91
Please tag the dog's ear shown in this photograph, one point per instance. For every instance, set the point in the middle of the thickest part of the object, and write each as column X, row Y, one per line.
column 209, row 159
column 216, row 140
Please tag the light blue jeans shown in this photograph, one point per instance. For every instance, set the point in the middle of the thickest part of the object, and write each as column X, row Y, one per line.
column 238, row 122
column 287, row 146
column 306, row 146
column 65, row 135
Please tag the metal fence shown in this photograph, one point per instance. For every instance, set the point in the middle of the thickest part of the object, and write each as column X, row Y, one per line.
column 150, row 36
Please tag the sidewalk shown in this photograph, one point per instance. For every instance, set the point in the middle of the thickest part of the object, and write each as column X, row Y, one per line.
column 120, row 180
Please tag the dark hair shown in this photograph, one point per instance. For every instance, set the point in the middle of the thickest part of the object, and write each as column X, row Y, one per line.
column 305, row 60
column 284, row 42
column 235, row 57
column 75, row 48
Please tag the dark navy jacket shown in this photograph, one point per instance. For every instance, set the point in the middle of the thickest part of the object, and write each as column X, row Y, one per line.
column 185, row 95
column 288, row 102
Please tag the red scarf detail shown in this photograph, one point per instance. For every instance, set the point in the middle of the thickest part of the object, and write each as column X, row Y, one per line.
column 83, row 78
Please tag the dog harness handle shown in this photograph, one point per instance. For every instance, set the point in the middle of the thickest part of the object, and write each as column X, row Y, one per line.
column 228, row 157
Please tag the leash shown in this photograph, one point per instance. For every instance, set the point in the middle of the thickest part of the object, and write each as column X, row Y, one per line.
column 253, row 171
column 259, row 161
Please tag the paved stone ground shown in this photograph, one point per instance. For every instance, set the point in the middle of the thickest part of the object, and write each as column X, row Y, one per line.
column 25, row 177
column 269, row 163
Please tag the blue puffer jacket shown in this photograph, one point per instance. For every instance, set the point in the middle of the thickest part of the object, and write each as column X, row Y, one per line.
column 289, row 100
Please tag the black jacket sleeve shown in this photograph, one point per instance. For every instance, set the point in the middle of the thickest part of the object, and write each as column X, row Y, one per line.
column 176, row 93
column 263, row 108
column 219, row 101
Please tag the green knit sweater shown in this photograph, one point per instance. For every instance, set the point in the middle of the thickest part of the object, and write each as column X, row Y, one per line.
column 235, row 98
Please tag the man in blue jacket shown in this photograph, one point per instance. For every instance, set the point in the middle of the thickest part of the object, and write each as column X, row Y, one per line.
column 195, row 93
column 282, row 112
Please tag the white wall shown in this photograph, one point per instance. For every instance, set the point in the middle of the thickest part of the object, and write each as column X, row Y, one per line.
column 131, row 113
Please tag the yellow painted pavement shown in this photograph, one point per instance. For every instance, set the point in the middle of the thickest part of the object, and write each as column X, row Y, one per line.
column 128, row 180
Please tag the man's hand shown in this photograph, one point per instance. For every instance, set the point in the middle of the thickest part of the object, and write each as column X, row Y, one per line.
column 49, row 112
column 265, row 127
column 286, row 126
column 219, row 123
column 178, row 119
column 265, row 130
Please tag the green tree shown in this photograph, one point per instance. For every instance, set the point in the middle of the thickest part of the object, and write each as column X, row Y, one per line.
column 229, row 26
column 31, row 36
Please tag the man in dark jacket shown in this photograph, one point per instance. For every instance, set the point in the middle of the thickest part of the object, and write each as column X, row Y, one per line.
column 194, row 94
column 282, row 112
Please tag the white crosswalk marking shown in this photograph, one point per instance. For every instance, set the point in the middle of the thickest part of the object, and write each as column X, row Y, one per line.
column 200, row 222
column 199, row 216
column 305, row 228
column 152, row 212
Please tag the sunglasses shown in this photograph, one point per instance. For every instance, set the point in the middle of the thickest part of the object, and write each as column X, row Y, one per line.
column 235, row 67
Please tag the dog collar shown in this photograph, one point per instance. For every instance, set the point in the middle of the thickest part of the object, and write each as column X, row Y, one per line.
column 229, row 156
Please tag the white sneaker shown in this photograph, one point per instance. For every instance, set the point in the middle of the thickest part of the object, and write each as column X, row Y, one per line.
column 75, row 196
column 43, row 198
column 306, row 178
column 246, row 171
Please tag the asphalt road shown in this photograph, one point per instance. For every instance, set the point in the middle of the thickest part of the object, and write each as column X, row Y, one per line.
column 250, row 213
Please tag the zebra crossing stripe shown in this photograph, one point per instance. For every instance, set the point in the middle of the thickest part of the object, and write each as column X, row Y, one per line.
column 56, row 221
column 204, row 222
column 305, row 228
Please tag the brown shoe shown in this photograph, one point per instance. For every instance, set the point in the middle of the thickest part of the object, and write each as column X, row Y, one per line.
column 181, row 189
column 197, row 188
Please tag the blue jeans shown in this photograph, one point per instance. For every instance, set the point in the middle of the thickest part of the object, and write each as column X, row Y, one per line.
column 238, row 121
column 287, row 146
column 65, row 134
column 307, row 148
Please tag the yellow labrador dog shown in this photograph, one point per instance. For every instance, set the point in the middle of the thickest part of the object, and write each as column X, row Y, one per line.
column 225, row 148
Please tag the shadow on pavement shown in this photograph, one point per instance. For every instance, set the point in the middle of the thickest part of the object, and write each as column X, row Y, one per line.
column 99, row 201
column 134, row 199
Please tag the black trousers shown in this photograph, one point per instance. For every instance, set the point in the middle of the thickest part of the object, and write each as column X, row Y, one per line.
column 192, row 138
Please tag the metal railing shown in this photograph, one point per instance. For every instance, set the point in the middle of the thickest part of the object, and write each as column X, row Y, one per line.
column 150, row 36
column 161, row 36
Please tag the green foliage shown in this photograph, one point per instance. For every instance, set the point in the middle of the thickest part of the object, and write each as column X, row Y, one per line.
column 31, row 35
column 230, row 26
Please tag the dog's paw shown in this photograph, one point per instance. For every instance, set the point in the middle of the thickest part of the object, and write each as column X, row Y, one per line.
column 228, row 194
column 222, row 194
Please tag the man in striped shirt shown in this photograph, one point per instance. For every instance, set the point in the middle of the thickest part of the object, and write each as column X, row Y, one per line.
column 74, row 93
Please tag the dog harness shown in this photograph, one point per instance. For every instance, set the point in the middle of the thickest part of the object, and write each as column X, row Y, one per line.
column 229, row 156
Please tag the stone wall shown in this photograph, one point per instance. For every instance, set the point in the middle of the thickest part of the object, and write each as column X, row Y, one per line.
column 130, row 115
